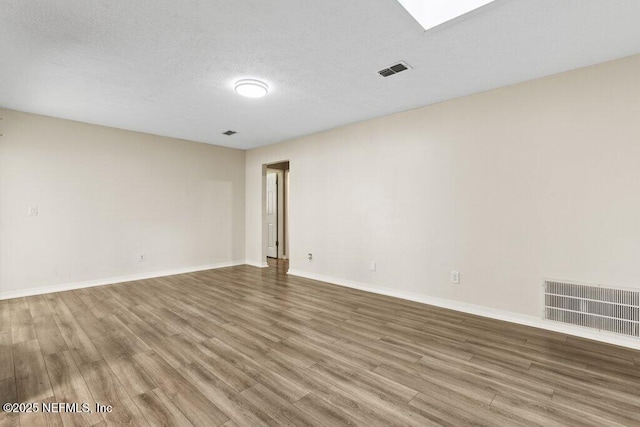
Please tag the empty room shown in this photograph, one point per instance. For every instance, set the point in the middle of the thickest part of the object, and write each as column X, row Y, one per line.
column 322, row 213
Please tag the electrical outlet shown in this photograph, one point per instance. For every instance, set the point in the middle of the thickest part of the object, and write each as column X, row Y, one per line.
column 142, row 257
column 372, row 265
column 455, row 277
column 32, row 211
column 310, row 256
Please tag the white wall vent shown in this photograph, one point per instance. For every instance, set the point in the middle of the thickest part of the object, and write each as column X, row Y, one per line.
column 603, row 308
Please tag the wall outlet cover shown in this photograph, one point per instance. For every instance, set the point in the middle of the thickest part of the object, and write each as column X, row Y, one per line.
column 455, row 277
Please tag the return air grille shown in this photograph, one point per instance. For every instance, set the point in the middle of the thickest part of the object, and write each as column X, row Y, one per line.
column 394, row 69
column 607, row 309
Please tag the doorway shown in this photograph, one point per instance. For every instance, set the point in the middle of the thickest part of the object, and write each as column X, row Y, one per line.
column 276, row 211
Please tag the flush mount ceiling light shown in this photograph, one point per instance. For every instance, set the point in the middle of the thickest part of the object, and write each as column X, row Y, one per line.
column 431, row 13
column 251, row 88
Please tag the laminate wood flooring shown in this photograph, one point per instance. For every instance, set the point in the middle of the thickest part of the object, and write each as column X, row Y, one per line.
column 243, row 346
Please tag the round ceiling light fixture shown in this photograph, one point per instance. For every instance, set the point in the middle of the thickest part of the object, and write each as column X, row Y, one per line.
column 251, row 88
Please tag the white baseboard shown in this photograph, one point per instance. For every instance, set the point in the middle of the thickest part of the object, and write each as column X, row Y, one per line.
column 256, row 264
column 478, row 310
column 19, row 293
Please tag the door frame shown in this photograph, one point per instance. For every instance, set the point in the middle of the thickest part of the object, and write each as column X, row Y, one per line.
column 283, row 209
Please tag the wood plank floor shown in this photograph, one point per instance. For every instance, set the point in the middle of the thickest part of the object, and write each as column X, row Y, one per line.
column 248, row 346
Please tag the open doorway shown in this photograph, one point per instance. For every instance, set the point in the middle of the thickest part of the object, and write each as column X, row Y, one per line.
column 276, row 211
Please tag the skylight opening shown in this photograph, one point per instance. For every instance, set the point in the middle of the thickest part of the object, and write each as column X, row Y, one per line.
column 431, row 13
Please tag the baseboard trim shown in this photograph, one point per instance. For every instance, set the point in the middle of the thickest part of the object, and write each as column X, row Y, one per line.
column 256, row 264
column 112, row 280
column 478, row 310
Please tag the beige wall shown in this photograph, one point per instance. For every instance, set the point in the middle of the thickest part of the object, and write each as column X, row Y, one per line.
column 536, row 180
column 105, row 196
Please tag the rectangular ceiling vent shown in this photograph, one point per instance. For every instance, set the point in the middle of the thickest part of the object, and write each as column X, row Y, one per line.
column 394, row 69
column 229, row 132
column 603, row 308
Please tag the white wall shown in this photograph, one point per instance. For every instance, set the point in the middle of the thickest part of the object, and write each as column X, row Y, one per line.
column 105, row 196
column 536, row 180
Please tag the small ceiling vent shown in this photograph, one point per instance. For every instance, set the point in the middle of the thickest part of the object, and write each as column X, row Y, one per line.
column 229, row 132
column 394, row 69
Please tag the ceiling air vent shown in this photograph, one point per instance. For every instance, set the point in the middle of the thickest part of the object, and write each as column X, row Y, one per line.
column 229, row 132
column 607, row 309
column 394, row 69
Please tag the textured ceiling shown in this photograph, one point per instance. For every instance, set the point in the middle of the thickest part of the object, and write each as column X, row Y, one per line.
column 167, row 66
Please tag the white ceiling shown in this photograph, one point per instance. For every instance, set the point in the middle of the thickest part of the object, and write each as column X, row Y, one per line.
column 167, row 66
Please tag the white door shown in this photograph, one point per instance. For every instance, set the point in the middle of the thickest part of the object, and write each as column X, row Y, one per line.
column 272, row 215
